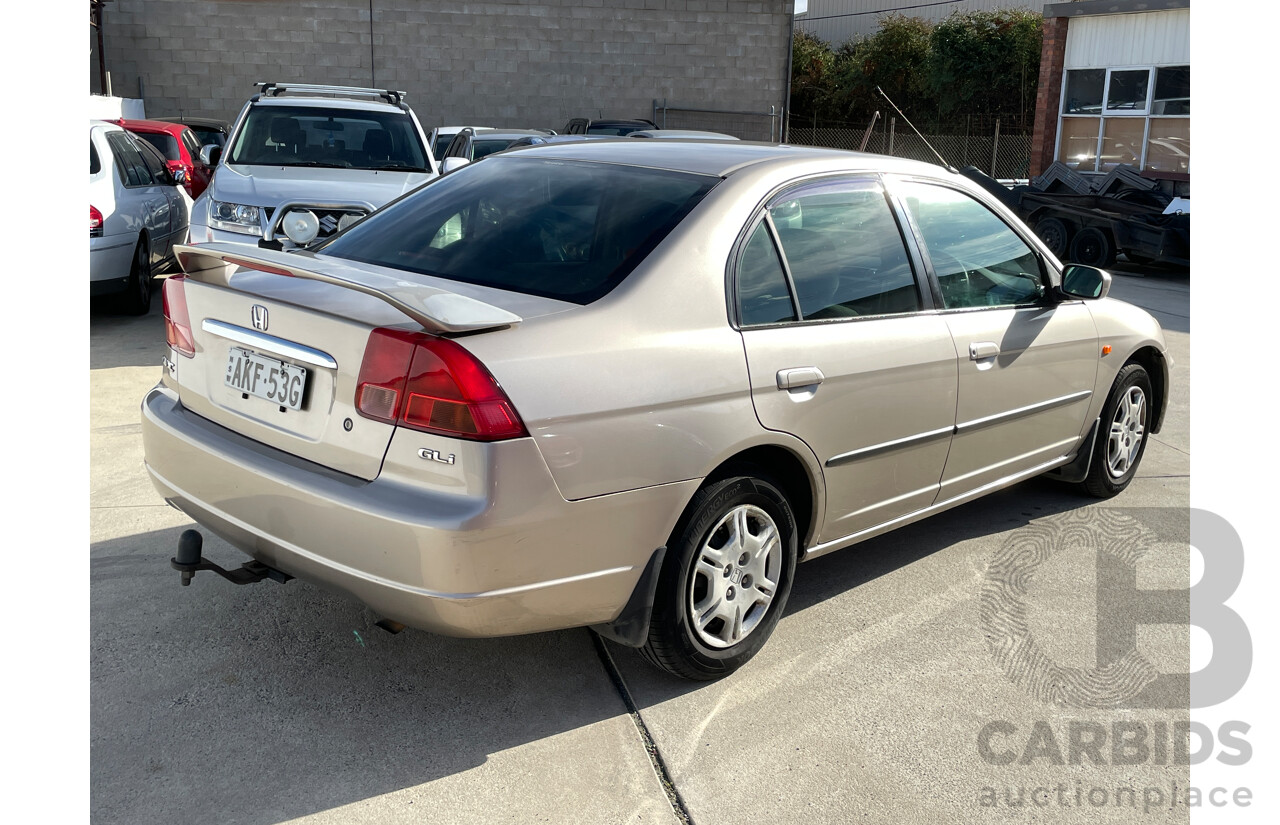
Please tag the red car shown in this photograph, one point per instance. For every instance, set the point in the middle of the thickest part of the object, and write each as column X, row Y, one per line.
column 180, row 147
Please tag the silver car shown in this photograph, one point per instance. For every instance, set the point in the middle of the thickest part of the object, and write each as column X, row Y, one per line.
column 630, row 384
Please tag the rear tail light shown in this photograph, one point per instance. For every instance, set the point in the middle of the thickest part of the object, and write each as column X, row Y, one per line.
column 95, row 222
column 177, row 323
column 432, row 384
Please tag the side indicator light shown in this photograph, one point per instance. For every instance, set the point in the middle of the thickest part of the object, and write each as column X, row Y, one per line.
column 1106, row 350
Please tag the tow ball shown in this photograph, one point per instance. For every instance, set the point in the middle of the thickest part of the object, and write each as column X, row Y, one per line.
column 189, row 561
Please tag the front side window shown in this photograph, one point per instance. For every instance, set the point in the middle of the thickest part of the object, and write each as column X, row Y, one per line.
column 979, row 261
column 560, row 229
column 844, row 251
column 338, row 138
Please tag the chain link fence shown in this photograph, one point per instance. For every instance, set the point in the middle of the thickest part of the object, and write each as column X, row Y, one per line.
column 1003, row 156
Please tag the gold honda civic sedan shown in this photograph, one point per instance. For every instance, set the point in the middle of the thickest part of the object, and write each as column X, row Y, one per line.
column 631, row 384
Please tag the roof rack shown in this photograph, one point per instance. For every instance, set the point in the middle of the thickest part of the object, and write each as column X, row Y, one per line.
column 273, row 89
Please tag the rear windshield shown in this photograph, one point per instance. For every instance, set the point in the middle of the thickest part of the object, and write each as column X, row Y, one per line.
column 163, row 141
column 209, row 137
column 559, row 229
column 339, row 138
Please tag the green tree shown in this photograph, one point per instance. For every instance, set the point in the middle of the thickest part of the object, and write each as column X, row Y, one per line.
column 986, row 63
column 895, row 58
column 812, row 81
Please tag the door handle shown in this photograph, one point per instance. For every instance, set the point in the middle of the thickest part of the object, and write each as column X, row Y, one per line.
column 982, row 350
column 799, row 377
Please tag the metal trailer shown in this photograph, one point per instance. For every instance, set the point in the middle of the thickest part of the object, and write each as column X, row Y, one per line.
column 1092, row 228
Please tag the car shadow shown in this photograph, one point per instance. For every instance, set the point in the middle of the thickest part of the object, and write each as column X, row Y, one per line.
column 126, row 340
column 263, row 703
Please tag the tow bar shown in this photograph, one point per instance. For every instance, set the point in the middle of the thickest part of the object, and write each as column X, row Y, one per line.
column 189, row 561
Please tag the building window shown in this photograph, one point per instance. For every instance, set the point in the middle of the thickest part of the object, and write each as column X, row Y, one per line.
column 1140, row 116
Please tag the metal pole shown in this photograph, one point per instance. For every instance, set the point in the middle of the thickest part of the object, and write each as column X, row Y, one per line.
column 103, row 84
column 995, row 144
column 893, row 121
column 786, row 105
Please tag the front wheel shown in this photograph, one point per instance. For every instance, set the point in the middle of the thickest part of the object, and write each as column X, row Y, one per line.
column 1123, row 436
column 726, row 579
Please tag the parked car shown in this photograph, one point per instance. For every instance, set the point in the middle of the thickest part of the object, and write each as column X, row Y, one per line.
column 305, row 161
column 180, row 148
column 615, row 128
column 549, row 140
column 630, row 386
column 469, row 145
column 211, row 132
column 441, row 136
column 136, row 214
column 680, row 134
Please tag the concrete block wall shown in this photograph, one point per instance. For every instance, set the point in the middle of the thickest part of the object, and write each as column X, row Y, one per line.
column 486, row 62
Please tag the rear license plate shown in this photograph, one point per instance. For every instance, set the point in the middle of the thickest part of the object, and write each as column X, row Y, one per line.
column 269, row 378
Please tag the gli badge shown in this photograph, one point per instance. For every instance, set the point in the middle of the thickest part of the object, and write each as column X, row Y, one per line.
column 433, row 455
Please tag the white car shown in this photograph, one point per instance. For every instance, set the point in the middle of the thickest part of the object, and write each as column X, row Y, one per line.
column 137, row 212
column 304, row 162
column 442, row 136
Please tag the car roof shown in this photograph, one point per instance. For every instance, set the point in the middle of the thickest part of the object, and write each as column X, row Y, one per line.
column 719, row 158
column 499, row 134
column 681, row 133
column 202, row 122
column 153, row 126
column 308, row 102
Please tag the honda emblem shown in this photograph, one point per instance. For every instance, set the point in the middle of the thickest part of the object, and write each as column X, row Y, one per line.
column 259, row 317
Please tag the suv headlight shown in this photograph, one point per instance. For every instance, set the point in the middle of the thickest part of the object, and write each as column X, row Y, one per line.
column 235, row 217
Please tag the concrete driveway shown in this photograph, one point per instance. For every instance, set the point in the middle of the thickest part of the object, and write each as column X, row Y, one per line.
column 884, row 695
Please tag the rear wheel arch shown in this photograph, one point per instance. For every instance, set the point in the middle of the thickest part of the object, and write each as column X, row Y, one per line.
column 781, row 466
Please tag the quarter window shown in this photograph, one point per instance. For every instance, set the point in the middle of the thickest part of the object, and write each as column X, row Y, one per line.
column 763, row 296
column 844, row 252
column 978, row 259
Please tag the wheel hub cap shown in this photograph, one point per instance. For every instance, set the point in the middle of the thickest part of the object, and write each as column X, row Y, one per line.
column 735, row 576
column 1127, row 429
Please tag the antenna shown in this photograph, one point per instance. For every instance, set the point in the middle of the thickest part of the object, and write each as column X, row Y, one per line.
column 948, row 166
column 862, row 147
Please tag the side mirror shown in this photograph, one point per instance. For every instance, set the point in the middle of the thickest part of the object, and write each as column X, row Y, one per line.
column 450, row 164
column 210, row 154
column 1088, row 282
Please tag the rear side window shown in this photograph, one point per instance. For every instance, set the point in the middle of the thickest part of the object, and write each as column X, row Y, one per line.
column 133, row 170
column 166, row 143
column 845, row 253
column 763, row 296
column 95, row 165
column 559, row 229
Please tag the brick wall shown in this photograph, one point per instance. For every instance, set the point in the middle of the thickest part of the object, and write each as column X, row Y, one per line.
column 506, row 64
column 1049, row 93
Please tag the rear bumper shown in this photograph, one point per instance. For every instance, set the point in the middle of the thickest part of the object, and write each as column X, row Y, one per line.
column 110, row 258
column 516, row 559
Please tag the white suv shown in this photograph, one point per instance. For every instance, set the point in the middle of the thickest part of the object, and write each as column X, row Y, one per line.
column 305, row 161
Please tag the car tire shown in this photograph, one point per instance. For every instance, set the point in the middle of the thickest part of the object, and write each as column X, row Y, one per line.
column 726, row 579
column 1122, row 434
column 1093, row 247
column 1055, row 234
column 136, row 299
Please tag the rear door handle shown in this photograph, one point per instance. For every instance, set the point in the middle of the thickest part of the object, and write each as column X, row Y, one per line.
column 799, row 377
column 983, row 350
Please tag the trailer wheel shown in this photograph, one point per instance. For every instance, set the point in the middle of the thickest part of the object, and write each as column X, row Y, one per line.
column 1093, row 247
column 1056, row 235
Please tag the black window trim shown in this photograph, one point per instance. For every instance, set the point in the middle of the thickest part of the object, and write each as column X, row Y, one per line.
column 929, row 303
column 1049, row 276
column 123, row 137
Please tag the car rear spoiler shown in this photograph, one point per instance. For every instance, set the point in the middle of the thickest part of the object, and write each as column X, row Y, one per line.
column 437, row 310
